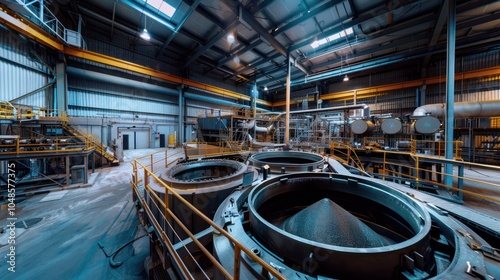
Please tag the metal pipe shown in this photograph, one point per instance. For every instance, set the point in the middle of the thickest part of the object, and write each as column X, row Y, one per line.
column 472, row 109
column 101, row 77
column 51, row 83
column 366, row 109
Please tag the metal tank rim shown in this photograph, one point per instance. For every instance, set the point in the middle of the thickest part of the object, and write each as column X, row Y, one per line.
column 184, row 187
column 424, row 216
column 311, row 161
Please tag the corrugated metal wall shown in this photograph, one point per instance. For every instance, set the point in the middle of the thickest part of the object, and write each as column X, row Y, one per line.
column 21, row 72
column 93, row 99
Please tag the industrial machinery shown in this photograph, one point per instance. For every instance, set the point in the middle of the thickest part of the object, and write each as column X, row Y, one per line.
column 325, row 226
column 310, row 217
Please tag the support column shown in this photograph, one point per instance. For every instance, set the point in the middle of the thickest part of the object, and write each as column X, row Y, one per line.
column 60, row 102
column 181, row 134
column 421, row 95
column 450, row 91
column 67, row 171
column 254, row 107
column 86, row 169
column 287, row 103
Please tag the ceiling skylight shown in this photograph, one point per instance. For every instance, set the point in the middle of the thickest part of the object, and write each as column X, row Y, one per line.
column 161, row 6
column 333, row 37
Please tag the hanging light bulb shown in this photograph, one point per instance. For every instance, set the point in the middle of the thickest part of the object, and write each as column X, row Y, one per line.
column 346, row 78
column 230, row 38
column 145, row 35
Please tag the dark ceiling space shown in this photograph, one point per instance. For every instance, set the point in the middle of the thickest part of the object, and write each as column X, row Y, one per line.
column 358, row 36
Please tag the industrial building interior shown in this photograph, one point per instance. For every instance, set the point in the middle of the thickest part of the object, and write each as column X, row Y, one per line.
column 250, row 139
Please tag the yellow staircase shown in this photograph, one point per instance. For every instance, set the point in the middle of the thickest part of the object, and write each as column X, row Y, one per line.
column 99, row 147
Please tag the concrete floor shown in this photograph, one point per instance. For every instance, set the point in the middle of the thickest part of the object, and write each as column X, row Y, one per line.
column 61, row 237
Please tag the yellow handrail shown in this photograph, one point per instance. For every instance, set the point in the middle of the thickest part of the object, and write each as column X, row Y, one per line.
column 50, row 145
column 140, row 167
column 350, row 156
column 416, row 168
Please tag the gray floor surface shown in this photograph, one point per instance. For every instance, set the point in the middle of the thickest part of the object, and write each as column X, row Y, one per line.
column 58, row 233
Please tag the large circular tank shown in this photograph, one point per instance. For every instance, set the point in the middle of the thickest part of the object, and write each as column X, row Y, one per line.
column 288, row 161
column 203, row 183
column 362, row 126
column 351, row 223
column 332, row 226
column 391, row 126
column 427, row 125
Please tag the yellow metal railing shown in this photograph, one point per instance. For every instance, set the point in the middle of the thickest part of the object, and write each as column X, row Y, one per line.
column 142, row 178
column 22, row 112
column 346, row 154
column 373, row 141
column 7, row 111
column 418, row 171
column 16, row 145
column 199, row 149
column 82, row 134
column 435, row 148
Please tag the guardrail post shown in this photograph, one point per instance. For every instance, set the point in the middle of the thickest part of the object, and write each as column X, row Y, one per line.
column 151, row 162
column 146, row 178
column 237, row 255
column 416, row 172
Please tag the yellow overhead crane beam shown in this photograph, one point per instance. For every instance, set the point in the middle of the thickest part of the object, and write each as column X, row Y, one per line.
column 26, row 28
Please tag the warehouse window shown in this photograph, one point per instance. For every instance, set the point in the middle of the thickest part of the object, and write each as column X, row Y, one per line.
column 162, row 6
column 343, row 33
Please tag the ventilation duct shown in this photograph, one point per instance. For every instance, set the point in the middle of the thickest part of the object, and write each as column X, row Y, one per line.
column 462, row 109
column 106, row 78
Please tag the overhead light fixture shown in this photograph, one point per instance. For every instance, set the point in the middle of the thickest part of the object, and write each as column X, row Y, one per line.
column 230, row 38
column 346, row 78
column 236, row 59
column 145, row 35
column 265, row 88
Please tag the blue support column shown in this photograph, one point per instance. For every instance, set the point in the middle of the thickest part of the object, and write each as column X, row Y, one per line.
column 450, row 91
column 181, row 136
column 287, row 105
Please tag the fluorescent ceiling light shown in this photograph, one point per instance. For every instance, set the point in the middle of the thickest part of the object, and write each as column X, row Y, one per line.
column 162, row 6
column 333, row 37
